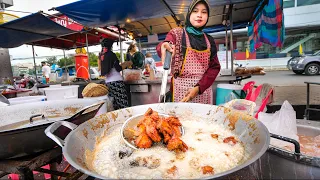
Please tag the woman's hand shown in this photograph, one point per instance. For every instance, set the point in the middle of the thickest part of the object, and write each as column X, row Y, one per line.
column 166, row 47
column 191, row 94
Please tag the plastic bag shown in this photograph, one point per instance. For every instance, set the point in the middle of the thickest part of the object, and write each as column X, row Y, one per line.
column 241, row 105
column 283, row 123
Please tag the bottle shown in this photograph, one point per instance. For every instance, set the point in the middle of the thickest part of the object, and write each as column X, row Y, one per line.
column 44, row 80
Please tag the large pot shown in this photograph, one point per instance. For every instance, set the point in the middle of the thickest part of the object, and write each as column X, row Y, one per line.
column 22, row 126
column 82, row 140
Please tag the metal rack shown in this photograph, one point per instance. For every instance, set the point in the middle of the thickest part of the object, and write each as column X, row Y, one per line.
column 308, row 109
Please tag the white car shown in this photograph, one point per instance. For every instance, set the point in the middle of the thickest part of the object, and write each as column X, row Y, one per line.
column 94, row 73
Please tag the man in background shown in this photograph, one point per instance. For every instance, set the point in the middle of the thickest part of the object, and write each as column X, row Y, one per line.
column 45, row 71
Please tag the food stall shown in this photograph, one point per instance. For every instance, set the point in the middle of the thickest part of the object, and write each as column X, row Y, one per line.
column 100, row 135
column 155, row 22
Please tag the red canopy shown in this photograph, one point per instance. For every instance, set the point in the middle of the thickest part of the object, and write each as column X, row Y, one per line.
column 76, row 39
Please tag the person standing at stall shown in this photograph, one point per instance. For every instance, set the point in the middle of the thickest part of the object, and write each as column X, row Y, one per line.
column 194, row 64
column 150, row 61
column 136, row 57
column 110, row 67
column 45, row 71
column 130, row 52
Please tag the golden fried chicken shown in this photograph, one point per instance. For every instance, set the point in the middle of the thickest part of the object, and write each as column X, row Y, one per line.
column 153, row 114
column 176, row 144
column 164, row 127
column 153, row 128
column 174, row 121
column 143, row 140
column 230, row 139
column 207, row 170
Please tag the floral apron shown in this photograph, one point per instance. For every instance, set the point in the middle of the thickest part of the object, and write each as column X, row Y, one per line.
column 195, row 64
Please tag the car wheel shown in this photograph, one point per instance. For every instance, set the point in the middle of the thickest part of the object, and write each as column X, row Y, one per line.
column 298, row 72
column 312, row 69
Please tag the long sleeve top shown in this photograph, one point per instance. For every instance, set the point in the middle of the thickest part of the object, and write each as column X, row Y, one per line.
column 198, row 43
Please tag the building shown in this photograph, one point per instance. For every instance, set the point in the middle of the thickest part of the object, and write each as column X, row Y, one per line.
column 302, row 23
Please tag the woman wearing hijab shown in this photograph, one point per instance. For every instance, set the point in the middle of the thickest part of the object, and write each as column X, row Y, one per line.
column 194, row 64
column 111, row 68
column 131, row 50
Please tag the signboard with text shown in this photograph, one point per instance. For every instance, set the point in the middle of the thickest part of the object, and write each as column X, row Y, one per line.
column 63, row 20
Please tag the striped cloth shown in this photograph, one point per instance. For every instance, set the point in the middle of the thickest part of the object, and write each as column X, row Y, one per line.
column 268, row 26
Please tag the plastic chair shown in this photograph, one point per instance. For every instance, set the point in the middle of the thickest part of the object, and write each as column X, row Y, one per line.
column 253, row 94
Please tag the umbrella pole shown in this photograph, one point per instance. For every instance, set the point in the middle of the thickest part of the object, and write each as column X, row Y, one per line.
column 34, row 63
column 65, row 61
column 88, row 55
column 231, row 39
column 227, row 61
column 121, row 51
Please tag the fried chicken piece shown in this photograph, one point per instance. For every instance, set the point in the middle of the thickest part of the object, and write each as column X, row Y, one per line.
column 207, row 170
column 230, row 139
column 151, row 129
column 148, row 112
column 143, row 140
column 176, row 131
column 214, row 136
column 155, row 116
column 164, row 127
column 166, row 137
column 176, row 143
column 174, row 121
column 172, row 170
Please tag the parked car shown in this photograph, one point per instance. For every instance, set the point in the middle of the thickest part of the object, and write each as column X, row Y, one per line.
column 308, row 64
column 94, row 74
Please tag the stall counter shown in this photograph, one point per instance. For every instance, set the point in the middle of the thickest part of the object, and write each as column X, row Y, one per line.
column 147, row 91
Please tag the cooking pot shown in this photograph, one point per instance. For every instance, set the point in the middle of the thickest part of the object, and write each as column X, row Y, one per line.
column 22, row 126
column 80, row 143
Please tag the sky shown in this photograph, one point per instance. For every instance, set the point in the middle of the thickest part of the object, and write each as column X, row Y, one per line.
column 25, row 51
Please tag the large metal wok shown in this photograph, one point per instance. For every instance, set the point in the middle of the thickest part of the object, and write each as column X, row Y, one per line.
column 22, row 127
column 79, row 145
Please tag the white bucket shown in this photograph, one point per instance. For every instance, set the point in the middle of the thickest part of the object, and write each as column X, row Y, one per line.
column 53, row 77
column 106, row 107
column 224, row 92
column 63, row 92
column 26, row 99
column 55, row 86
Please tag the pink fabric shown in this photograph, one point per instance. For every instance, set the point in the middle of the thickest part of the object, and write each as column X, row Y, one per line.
column 195, row 65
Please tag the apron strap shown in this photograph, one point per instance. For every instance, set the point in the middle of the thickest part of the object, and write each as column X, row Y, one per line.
column 207, row 41
column 187, row 38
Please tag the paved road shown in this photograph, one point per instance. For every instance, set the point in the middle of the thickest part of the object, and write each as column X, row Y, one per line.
column 289, row 86
column 284, row 78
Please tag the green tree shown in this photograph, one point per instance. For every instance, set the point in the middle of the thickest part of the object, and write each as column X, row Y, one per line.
column 52, row 60
column 69, row 60
column 93, row 58
column 119, row 57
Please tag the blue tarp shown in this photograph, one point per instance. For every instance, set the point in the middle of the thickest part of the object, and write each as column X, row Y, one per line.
column 31, row 28
column 208, row 30
column 100, row 13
